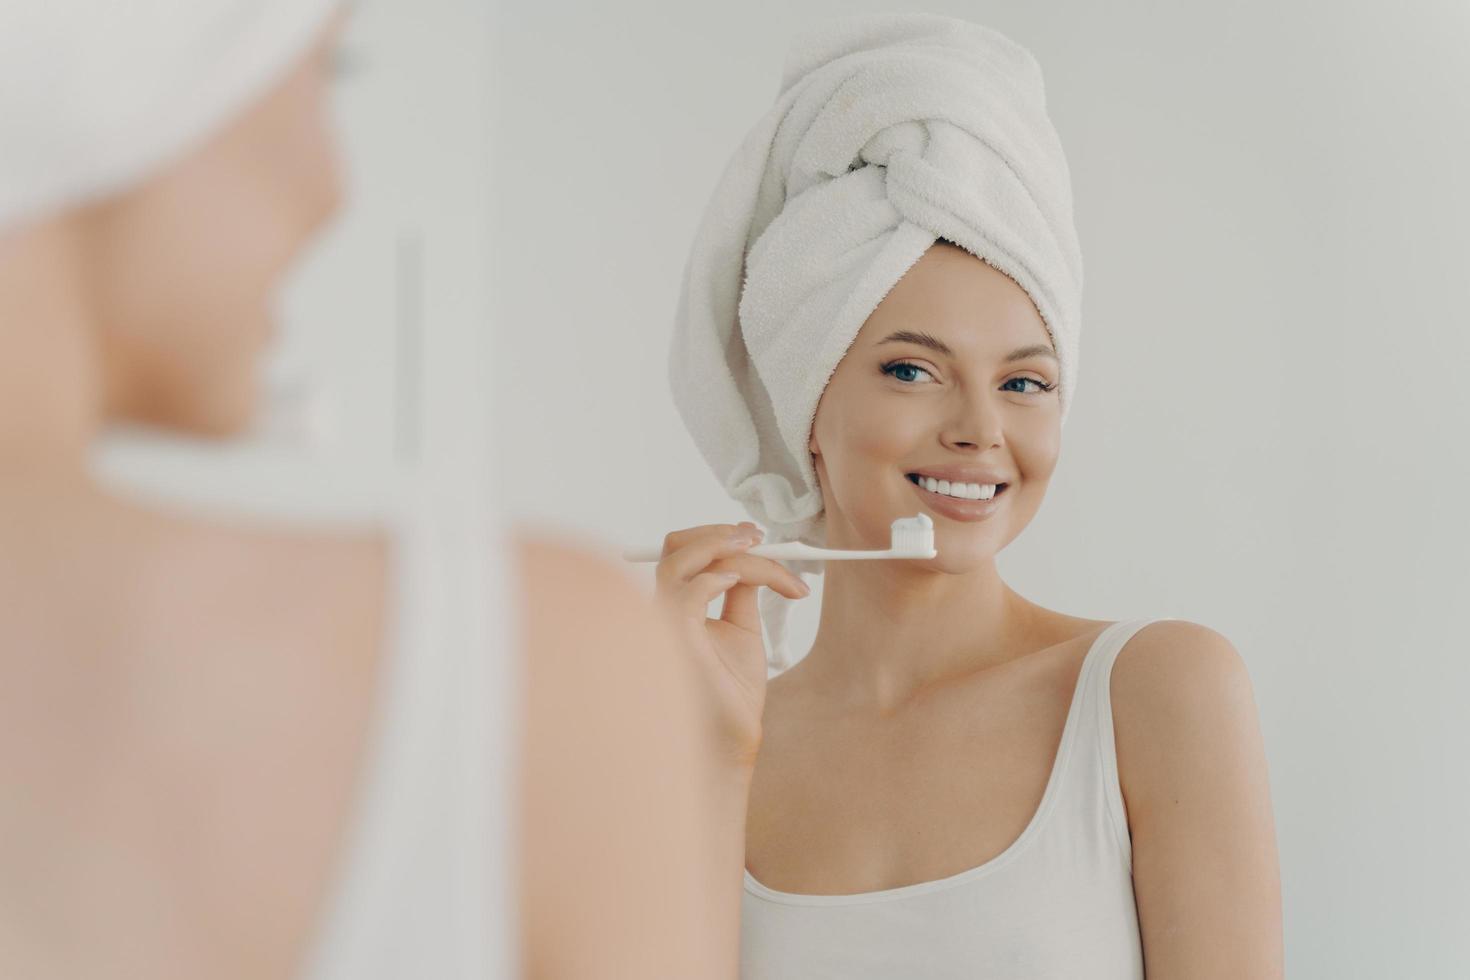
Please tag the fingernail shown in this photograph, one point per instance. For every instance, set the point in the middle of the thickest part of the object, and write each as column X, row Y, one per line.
column 806, row 590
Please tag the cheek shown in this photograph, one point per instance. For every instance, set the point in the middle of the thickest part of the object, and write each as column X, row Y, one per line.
column 1036, row 447
column 267, row 213
column 257, row 198
column 859, row 435
column 186, row 260
column 880, row 442
column 210, row 244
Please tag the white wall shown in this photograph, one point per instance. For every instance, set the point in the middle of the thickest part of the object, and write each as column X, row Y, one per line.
column 1268, row 436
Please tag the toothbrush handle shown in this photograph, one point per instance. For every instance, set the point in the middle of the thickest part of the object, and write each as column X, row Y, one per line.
column 790, row 550
column 781, row 551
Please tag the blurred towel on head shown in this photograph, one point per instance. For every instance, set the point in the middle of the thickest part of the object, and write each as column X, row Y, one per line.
column 97, row 94
column 890, row 131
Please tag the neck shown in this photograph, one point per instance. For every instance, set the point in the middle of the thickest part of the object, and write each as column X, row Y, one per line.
column 50, row 379
column 889, row 629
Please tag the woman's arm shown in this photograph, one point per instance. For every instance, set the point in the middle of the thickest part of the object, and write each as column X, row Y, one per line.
column 627, row 832
column 1192, row 766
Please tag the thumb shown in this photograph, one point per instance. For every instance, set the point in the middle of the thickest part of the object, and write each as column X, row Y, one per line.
column 740, row 607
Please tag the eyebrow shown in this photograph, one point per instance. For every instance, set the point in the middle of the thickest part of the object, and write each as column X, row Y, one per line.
column 935, row 344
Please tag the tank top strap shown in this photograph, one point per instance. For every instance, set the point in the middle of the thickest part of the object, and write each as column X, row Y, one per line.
column 469, row 546
column 425, row 877
column 1095, row 774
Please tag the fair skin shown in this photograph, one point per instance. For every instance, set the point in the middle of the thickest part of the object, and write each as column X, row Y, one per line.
column 932, row 680
column 184, row 703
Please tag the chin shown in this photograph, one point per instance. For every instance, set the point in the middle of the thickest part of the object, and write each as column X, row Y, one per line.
column 959, row 559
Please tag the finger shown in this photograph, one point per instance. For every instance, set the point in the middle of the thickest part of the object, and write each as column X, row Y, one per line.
column 741, row 607
column 758, row 570
column 701, row 590
column 675, row 540
column 691, row 599
column 694, row 555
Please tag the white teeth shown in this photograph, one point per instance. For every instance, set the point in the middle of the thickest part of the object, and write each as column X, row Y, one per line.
column 964, row 491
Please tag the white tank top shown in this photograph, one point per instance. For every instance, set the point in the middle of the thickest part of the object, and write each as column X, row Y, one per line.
column 424, row 882
column 1058, row 903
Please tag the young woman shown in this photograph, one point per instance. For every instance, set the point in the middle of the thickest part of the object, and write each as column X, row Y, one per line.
column 955, row 780
column 263, row 751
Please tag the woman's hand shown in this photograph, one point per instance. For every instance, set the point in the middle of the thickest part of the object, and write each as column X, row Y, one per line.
column 697, row 564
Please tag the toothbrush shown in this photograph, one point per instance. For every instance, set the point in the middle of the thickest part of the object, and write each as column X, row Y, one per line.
column 912, row 537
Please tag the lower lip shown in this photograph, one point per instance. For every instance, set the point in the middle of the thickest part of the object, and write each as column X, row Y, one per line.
column 955, row 508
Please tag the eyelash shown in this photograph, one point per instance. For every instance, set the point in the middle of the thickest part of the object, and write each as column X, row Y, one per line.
column 888, row 370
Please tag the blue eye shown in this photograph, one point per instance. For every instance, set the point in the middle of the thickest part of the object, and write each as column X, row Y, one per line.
column 1042, row 386
column 893, row 367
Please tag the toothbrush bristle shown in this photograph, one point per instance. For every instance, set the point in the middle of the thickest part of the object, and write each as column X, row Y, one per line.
column 913, row 535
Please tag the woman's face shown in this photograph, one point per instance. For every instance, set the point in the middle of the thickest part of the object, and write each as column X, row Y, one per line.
column 896, row 407
column 183, row 268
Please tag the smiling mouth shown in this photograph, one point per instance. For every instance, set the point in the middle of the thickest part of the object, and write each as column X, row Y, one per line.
column 914, row 479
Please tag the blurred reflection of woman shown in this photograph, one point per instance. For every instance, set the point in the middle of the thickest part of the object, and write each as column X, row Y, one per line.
column 232, row 749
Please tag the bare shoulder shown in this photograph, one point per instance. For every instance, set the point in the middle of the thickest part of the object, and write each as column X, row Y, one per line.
column 587, row 620
column 575, row 588
column 1168, row 667
column 610, row 793
column 550, row 558
column 1178, row 688
column 1192, row 768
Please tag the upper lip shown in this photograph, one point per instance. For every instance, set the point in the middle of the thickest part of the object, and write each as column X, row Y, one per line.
column 961, row 474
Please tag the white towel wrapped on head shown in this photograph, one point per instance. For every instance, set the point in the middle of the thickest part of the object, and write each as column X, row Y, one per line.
column 890, row 132
column 96, row 96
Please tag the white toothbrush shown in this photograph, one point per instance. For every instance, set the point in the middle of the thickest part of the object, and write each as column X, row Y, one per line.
column 912, row 537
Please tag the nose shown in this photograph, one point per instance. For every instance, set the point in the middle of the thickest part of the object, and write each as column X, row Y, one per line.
column 976, row 426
